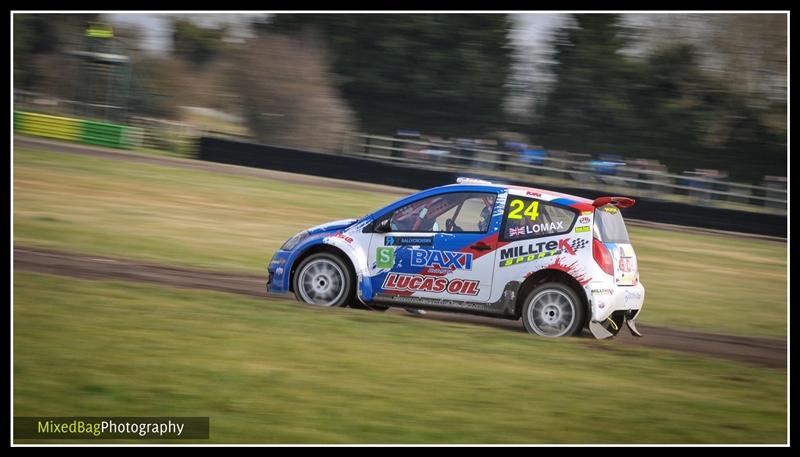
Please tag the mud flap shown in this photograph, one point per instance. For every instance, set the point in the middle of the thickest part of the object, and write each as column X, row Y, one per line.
column 632, row 327
column 599, row 331
column 611, row 326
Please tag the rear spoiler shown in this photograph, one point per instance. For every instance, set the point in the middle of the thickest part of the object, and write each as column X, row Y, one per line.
column 619, row 202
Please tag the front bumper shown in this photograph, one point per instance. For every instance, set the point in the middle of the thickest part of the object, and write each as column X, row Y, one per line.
column 277, row 276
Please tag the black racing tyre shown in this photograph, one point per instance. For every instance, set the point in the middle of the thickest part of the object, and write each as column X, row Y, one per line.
column 324, row 279
column 553, row 310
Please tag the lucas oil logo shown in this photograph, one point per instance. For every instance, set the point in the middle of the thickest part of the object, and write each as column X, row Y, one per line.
column 435, row 284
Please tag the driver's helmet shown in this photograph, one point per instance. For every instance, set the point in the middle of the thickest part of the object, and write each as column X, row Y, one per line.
column 486, row 217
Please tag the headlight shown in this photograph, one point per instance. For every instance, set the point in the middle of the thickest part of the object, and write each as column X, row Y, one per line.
column 292, row 242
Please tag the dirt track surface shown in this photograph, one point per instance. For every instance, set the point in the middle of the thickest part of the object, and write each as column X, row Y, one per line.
column 761, row 351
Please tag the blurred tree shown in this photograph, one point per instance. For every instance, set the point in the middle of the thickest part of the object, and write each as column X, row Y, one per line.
column 288, row 97
column 195, row 43
column 443, row 73
column 37, row 35
column 588, row 108
column 663, row 106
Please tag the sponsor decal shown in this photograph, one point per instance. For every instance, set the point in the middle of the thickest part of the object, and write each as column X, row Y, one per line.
column 578, row 244
column 585, row 219
column 583, row 229
column 443, row 260
column 436, row 301
column 534, row 251
column 626, row 266
column 436, row 261
column 610, row 209
column 536, row 228
column 408, row 241
column 500, row 204
column 435, row 284
column 632, row 295
column 532, row 193
column 602, row 291
column 344, row 237
column 384, row 257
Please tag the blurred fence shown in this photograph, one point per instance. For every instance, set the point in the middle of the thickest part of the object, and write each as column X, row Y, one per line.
column 77, row 130
column 413, row 175
column 179, row 138
column 640, row 178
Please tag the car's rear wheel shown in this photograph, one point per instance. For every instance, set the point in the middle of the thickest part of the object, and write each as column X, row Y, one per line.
column 552, row 310
column 324, row 279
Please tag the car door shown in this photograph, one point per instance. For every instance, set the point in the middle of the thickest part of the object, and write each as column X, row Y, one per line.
column 440, row 247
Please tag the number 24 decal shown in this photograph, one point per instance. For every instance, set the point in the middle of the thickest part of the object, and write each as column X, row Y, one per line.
column 532, row 211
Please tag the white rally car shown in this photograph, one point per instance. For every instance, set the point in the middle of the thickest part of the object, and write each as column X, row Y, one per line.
column 558, row 262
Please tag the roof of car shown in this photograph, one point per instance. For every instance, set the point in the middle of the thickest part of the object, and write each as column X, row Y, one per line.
column 523, row 190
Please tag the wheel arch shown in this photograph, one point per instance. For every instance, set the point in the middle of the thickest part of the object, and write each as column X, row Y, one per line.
column 549, row 275
column 316, row 249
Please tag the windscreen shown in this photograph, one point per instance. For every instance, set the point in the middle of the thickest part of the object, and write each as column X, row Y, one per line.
column 609, row 226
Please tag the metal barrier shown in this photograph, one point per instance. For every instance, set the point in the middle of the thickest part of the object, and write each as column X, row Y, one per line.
column 562, row 168
column 77, row 130
column 393, row 173
column 176, row 137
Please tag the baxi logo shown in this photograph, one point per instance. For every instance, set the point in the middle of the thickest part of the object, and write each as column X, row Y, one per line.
column 446, row 260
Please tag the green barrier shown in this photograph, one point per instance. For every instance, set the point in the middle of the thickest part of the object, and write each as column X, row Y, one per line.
column 77, row 130
column 102, row 134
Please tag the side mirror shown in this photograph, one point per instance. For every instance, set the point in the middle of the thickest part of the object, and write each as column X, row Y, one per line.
column 383, row 226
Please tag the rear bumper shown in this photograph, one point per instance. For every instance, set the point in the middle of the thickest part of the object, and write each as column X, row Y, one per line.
column 605, row 300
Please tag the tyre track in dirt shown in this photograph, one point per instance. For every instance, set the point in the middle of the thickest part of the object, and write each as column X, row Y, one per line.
column 766, row 352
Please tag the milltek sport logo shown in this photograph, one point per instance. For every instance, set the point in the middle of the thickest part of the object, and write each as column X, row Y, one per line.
column 535, row 251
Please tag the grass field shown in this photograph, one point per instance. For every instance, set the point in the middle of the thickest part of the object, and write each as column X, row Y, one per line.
column 212, row 220
column 278, row 372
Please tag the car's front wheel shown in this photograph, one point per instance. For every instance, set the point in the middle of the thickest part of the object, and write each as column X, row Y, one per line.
column 324, row 279
column 553, row 309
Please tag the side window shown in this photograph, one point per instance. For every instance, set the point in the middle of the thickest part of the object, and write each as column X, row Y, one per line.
column 526, row 217
column 454, row 212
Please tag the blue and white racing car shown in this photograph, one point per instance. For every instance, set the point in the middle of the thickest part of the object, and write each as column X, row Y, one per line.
column 558, row 262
